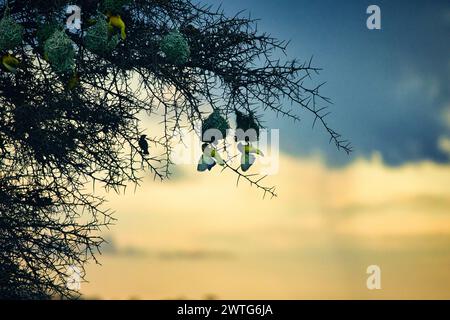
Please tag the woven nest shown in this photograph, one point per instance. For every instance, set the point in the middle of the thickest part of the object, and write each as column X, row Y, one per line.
column 217, row 122
column 176, row 48
column 97, row 39
column 249, row 126
column 113, row 6
column 10, row 33
column 60, row 52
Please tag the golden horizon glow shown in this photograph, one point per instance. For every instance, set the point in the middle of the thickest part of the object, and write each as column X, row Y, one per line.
column 200, row 236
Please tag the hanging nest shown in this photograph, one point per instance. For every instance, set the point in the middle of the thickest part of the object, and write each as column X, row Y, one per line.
column 97, row 39
column 245, row 123
column 176, row 48
column 59, row 51
column 113, row 6
column 215, row 121
column 10, row 33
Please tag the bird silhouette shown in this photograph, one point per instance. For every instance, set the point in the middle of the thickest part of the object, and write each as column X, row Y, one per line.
column 143, row 144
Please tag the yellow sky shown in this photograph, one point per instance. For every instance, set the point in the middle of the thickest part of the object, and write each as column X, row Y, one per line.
column 199, row 235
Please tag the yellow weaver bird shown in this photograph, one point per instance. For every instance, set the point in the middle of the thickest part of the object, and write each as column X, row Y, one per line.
column 209, row 158
column 248, row 155
column 10, row 63
column 117, row 22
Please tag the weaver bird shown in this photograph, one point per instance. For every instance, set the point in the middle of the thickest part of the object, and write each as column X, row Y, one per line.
column 248, row 155
column 143, row 144
column 117, row 22
column 10, row 63
column 209, row 158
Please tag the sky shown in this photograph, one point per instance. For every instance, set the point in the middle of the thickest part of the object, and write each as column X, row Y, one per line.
column 200, row 236
column 390, row 87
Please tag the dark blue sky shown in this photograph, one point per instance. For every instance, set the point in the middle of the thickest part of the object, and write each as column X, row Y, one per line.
column 389, row 86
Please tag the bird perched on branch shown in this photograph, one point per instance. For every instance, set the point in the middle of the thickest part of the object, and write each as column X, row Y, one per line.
column 143, row 144
column 10, row 63
column 209, row 158
column 117, row 22
column 248, row 155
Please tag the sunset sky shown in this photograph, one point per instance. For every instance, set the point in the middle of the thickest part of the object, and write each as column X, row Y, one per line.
column 388, row 204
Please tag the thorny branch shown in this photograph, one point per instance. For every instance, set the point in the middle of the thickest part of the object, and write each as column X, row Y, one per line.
column 54, row 141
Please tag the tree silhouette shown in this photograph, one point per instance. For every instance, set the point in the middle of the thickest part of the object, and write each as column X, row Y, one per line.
column 71, row 104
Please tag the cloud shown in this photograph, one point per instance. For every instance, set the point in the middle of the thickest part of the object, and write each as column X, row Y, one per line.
column 444, row 145
column 415, row 84
column 111, row 248
column 200, row 233
column 179, row 218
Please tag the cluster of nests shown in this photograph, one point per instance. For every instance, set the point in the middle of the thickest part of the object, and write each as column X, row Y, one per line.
column 105, row 32
column 215, row 127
